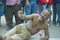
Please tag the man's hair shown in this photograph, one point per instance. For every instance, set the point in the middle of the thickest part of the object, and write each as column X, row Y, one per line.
column 50, row 11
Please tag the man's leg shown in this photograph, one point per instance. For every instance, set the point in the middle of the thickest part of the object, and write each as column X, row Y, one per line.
column 34, row 8
column 22, row 31
column 16, row 37
column 44, row 7
column 40, row 8
column 19, row 32
column 24, row 34
column 54, row 13
column 7, row 36
column 1, row 12
column 58, row 12
column 11, row 33
column 48, row 6
column 27, row 10
column 9, row 16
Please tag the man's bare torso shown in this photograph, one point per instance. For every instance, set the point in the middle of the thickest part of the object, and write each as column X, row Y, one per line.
column 35, row 25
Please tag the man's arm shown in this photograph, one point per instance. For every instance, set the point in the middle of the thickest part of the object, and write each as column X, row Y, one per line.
column 27, row 0
column 27, row 3
column 37, row 29
column 46, row 34
column 24, row 17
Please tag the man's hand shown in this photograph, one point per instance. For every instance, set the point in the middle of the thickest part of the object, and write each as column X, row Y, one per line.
column 27, row 4
column 45, row 38
column 20, row 14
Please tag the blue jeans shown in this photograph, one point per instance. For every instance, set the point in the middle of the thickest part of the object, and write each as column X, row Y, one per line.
column 43, row 7
column 1, row 10
column 30, row 9
column 56, row 11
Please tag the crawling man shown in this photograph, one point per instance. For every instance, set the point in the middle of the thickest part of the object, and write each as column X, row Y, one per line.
column 25, row 31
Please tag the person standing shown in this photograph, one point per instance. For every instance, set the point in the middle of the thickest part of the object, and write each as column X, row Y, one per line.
column 30, row 7
column 2, row 6
column 12, row 9
column 56, row 11
column 45, row 4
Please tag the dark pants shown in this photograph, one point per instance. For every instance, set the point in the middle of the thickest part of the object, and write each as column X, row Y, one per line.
column 56, row 11
column 12, row 10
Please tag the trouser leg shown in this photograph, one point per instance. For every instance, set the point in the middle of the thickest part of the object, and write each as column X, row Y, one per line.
column 9, row 16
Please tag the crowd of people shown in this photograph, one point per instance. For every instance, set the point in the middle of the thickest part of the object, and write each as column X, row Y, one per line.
column 37, row 11
column 8, row 8
column 24, row 31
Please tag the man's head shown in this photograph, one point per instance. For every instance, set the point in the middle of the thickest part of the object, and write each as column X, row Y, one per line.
column 46, row 14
